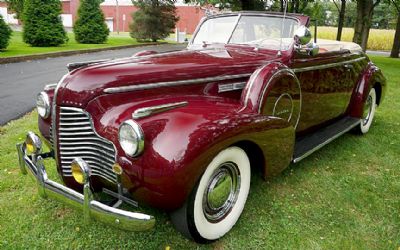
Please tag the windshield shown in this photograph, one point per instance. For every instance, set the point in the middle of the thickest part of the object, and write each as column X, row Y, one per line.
column 263, row 31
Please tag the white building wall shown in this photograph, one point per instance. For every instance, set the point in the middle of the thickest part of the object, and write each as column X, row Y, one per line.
column 8, row 18
column 67, row 20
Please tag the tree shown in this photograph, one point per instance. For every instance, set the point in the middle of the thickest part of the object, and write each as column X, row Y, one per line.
column 42, row 23
column 90, row 26
column 154, row 19
column 342, row 12
column 365, row 11
column 252, row 5
column 396, row 42
column 317, row 13
column 17, row 6
column 235, row 5
column 5, row 33
column 297, row 6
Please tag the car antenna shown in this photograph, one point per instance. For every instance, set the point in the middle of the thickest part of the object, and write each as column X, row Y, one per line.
column 282, row 26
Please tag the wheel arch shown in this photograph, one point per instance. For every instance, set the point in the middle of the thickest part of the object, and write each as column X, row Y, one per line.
column 274, row 90
column 378, row 88
column 371, row 77
column 255, row 154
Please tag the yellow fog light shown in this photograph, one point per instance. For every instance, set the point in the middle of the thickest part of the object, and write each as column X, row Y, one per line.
column 80, row 170
column 33, row 143
column 117, row 169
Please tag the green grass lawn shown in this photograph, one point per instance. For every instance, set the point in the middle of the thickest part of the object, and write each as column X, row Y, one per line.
column 379, row 39
column 18, row 48
column 345, row 196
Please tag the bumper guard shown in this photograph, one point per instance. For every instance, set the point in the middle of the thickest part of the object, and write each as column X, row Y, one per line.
column 119, row 218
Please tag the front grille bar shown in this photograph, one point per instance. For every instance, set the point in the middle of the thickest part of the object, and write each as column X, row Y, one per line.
column 78, row 138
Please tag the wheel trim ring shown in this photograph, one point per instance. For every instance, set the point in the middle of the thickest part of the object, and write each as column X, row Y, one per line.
column 217, row 214
column 368, row 106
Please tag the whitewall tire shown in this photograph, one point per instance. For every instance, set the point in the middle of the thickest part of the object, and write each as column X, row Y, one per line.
column 368, row 112
column 218, row 199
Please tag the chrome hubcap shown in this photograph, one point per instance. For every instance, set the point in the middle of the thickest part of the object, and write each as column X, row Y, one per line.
column 221, row 192
column 367, row 110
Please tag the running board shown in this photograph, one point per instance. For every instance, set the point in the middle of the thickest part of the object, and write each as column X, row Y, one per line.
column 307, row 145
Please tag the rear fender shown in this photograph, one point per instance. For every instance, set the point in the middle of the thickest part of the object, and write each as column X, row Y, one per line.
column 274, row 90
column 372, row 75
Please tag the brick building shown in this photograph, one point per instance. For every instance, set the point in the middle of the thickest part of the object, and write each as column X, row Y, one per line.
column 118, row 13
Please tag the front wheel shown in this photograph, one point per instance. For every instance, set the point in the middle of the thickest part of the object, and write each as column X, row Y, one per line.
column 218, row 199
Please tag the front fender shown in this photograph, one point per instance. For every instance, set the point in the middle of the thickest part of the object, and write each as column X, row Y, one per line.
column 180, row 143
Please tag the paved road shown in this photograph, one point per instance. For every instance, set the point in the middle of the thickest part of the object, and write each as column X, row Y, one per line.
column 378, row 53
column 20, row 82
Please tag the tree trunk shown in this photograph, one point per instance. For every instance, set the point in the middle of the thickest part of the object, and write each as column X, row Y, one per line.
column 282, row 5
column 341, row 20
column 365, row 11
column 297, row 6
column 358, row 25
column 292, row 3
column 365, row 35
column 396, row 43
column 247, row 5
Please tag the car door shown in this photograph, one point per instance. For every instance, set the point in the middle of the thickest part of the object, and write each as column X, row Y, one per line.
column 326, row 85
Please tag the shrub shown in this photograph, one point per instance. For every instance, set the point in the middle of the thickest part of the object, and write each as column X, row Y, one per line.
column 5, row 33
column 42, row 23
column 90, row 26
column 154, row 19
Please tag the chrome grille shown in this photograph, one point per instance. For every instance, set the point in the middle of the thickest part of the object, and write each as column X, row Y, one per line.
column 77, row 138
column 51, row 135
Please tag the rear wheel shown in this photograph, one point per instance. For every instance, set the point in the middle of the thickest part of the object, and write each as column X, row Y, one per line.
column 218, row 199
column 368, row 113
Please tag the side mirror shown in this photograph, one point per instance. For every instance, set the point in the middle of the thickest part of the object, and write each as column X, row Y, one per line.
column 302, row 36
column 312, row 49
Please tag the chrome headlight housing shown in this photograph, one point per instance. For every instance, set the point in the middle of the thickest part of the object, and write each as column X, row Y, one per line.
column 131, row 138
column 43, row 105
column 33, row 144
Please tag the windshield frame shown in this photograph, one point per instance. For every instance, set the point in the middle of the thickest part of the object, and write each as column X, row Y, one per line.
column 239, row 15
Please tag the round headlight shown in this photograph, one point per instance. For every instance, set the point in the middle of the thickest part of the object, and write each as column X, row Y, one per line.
column 131, row 138
column 43, row 105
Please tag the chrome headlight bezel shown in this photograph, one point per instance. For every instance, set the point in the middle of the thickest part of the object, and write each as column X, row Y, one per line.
column 43, row 105
column 134, row 145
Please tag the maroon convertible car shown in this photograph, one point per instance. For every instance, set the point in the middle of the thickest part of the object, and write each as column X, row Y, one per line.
column 183, row 131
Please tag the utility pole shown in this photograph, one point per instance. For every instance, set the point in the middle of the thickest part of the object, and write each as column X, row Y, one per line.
column 117, row 16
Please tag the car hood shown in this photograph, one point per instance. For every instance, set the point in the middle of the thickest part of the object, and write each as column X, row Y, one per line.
column 82, row 85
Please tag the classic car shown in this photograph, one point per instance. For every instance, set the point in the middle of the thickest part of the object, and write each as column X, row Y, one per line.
column 183, row 131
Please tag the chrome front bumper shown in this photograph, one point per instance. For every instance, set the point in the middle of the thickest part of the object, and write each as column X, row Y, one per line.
column 91, row 208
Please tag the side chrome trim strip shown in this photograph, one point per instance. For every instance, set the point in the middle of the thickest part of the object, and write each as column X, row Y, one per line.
column 329, row 65
column 296, row 160
column 148, row 111
column 172, row 83
column 231, row 86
